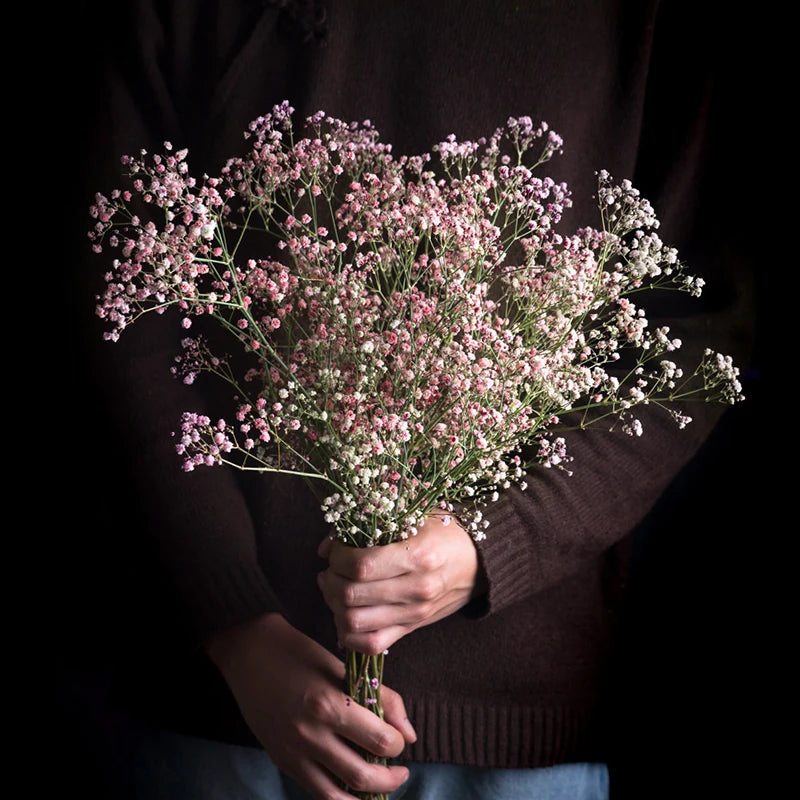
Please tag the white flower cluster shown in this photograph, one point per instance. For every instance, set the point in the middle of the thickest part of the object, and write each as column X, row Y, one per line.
column 424, row 323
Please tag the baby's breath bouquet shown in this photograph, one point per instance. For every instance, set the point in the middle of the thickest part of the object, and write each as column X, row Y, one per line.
column 416, row 330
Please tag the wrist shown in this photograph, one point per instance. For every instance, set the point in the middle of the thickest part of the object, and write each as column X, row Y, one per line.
column 225, row 647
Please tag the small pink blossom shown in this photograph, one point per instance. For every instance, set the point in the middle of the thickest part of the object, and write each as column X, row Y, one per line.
column 410, row 333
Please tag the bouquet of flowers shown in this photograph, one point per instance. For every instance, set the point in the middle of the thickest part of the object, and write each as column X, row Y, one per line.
column 416, row 330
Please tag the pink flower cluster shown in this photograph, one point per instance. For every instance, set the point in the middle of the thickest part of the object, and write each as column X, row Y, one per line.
column 416, row 327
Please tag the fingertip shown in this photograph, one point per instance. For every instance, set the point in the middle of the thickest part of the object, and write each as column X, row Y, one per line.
column 409, row 733
column 400, row 773
column 324, row 549
column 396, row 715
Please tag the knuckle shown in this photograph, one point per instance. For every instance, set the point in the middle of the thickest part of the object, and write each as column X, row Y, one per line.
column 351, row 594
column 386, row 743
column 351, row 621
column 364, row 567
column 319, row 706
column 358, row 777
column 429, row 588
column 427, row 559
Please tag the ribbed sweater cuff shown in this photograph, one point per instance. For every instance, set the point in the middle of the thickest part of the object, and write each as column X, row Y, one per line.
column 498, row 737
column 505, row 557
column 224, row 599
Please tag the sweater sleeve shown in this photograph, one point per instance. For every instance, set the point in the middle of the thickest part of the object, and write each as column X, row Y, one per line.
column 193, row 531
column 684, row 166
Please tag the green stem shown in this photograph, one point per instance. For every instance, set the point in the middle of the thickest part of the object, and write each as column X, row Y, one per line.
column 363, row 680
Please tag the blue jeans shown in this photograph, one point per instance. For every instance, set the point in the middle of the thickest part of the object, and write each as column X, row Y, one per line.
column 176, row 767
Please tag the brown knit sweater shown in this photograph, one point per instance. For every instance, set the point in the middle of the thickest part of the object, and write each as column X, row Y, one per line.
column 514, row 681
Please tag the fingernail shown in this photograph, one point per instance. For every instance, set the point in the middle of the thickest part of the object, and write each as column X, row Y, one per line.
column 412, row 734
